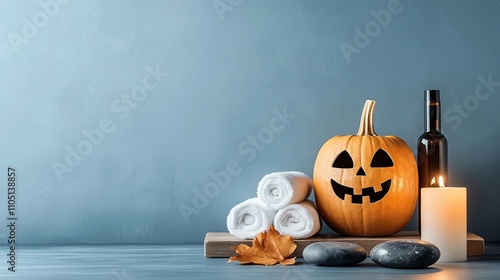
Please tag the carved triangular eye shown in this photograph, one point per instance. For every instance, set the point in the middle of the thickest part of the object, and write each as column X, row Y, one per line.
column 343, row 160
column 381, row 159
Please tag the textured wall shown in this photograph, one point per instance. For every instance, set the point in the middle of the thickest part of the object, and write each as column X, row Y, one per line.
column 117, row 114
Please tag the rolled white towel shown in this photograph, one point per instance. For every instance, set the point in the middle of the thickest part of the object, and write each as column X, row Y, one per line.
column 298, row 220
column 280, row 189
column 249, row 218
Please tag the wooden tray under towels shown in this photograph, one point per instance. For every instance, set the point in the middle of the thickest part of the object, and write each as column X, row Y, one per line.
column 218, row 244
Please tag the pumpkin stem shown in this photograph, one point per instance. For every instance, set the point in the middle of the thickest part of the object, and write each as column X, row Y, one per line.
column 366, row 123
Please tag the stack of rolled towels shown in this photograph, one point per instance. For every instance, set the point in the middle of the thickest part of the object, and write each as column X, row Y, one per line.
column 281, row 201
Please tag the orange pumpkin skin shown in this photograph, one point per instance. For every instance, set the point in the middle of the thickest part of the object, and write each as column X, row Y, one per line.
column 385, row 163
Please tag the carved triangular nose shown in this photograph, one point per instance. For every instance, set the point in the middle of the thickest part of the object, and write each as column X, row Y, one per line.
column 361, row 172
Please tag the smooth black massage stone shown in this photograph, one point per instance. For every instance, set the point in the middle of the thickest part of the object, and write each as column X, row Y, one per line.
column 334, row 253
column 405, row 254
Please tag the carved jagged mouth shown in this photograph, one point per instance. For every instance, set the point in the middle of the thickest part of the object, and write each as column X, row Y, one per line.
column 341, row 191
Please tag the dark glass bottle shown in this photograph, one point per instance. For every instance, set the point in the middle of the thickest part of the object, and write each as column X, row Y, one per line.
column 432, row 158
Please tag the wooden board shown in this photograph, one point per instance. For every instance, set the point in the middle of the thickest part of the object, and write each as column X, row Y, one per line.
column 218, row 244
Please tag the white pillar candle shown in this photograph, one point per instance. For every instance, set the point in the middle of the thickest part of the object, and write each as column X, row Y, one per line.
column 444, row 221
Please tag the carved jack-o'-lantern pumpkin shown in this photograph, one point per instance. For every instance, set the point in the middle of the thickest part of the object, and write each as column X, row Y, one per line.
column 365, row 184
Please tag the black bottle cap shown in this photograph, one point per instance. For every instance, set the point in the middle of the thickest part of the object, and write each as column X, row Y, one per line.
column 432, row 95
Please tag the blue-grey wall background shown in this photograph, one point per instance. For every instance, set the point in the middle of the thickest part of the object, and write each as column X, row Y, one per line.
column 119, row 114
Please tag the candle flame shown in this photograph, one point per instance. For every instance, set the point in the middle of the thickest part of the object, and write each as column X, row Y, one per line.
column 441, row 182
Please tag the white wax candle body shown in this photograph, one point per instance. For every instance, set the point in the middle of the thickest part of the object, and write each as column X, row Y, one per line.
column 444, row 221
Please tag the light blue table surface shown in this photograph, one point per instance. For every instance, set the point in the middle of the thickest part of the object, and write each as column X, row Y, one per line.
column 128, row 262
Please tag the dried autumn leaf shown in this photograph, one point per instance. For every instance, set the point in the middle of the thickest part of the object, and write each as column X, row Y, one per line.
column 268, row 248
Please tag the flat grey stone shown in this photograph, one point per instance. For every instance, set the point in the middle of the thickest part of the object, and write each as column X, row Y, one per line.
column 405, row 254
column 334, row 253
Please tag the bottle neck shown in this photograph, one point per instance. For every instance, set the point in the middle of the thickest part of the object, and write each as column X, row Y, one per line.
column 432, row 116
